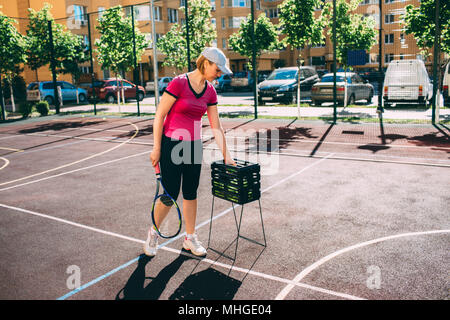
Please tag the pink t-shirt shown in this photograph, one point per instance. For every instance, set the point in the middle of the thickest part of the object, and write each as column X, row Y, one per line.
column 184, row 120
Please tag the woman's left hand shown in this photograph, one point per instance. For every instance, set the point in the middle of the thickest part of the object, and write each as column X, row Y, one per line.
column 230, row 161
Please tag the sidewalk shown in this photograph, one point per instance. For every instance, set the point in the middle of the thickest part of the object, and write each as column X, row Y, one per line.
column 399, row 114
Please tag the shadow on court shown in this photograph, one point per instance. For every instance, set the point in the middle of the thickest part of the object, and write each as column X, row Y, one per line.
column 204, row 285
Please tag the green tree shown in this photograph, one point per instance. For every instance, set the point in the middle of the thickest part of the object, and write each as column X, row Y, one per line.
column 266, row 38
column 115, row 46
column 420, row 22
column 69, row 50
column 298, row 23
column 353, row 31
column 301, row 28
column 201, row 34
column 12, row 52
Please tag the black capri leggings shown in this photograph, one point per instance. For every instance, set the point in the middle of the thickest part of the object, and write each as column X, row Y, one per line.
column 181, row 164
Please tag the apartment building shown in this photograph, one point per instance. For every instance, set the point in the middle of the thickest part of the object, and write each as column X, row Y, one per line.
column 226, row 15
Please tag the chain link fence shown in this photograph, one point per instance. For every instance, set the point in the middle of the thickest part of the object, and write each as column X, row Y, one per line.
column 115, row 65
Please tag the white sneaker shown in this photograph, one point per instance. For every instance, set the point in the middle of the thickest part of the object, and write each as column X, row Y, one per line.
column 151, row 244
column 192, row 244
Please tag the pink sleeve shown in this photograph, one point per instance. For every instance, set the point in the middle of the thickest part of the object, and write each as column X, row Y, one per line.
column 175, row 87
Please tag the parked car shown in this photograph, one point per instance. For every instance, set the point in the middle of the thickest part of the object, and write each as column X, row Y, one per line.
column 107, row 90
column 223, row 83
column 372, row 75
column 321, row 72
column 163, row 82
column 281, row 84
column 45, row 91
column 446, row 84
column 407, row 81
column 357, row 89
column 243, row 80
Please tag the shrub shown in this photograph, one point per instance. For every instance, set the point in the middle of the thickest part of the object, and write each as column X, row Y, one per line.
column 25, row 108
column 42, row 107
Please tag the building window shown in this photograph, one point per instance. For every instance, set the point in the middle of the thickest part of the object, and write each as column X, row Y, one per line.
column 235, row 22
column 389, row 38
column 172, row 15
column 239, row 3
column 80, row 15
column 223, row 23
column 272, row 13
column 374, row 58
column 101, row 11
column 388, row 18
column 388, row 57
column 224, row 43
column 157, row 13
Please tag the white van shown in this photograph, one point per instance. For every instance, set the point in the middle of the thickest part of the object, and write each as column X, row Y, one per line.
column 407, row 81
column 446, row 85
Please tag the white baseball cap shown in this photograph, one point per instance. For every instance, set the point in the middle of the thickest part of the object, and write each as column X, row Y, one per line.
column 215, row 55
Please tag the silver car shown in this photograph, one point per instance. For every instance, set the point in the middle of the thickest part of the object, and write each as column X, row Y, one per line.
column 357, row 89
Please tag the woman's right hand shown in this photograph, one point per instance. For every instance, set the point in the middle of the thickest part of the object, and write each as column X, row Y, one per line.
column 154, row 156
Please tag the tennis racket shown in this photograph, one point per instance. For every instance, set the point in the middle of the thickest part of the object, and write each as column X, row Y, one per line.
column 168, row 208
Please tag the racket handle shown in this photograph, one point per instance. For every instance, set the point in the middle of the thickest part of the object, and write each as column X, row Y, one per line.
column 157, row 169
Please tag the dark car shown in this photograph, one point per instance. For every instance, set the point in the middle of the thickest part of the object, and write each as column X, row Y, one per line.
column 107, row 90
column 357, row 89
column 372, row 76
column 281, row 84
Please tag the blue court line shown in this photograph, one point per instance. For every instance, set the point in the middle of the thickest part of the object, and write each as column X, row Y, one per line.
column 71, row 293
column 106, row 275
column 110, row 273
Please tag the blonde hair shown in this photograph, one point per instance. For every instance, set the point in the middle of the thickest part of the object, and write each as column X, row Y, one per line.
column 201, row 63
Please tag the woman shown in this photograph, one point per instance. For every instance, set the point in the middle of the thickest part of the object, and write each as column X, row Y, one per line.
column 177, row 126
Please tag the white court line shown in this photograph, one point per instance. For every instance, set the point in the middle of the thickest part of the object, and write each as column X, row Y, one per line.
column 5, row 164
column 305, row 154
column 333, row 143
column 330, row 156
column 45, row 148
column 11, row 136
column 75, row 170
column 327, row 258
column 209, row 261
column 230, row 136
column 75, row 162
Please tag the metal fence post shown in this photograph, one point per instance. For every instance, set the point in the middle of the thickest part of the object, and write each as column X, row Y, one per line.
column 380, row 62
column 188, row 43
column 334, row 63
column 91, row 68
column 255, row 77
column 436, row 64
column 134, row 61
column 53, row 67
column 155, row 57
column 2, row 101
